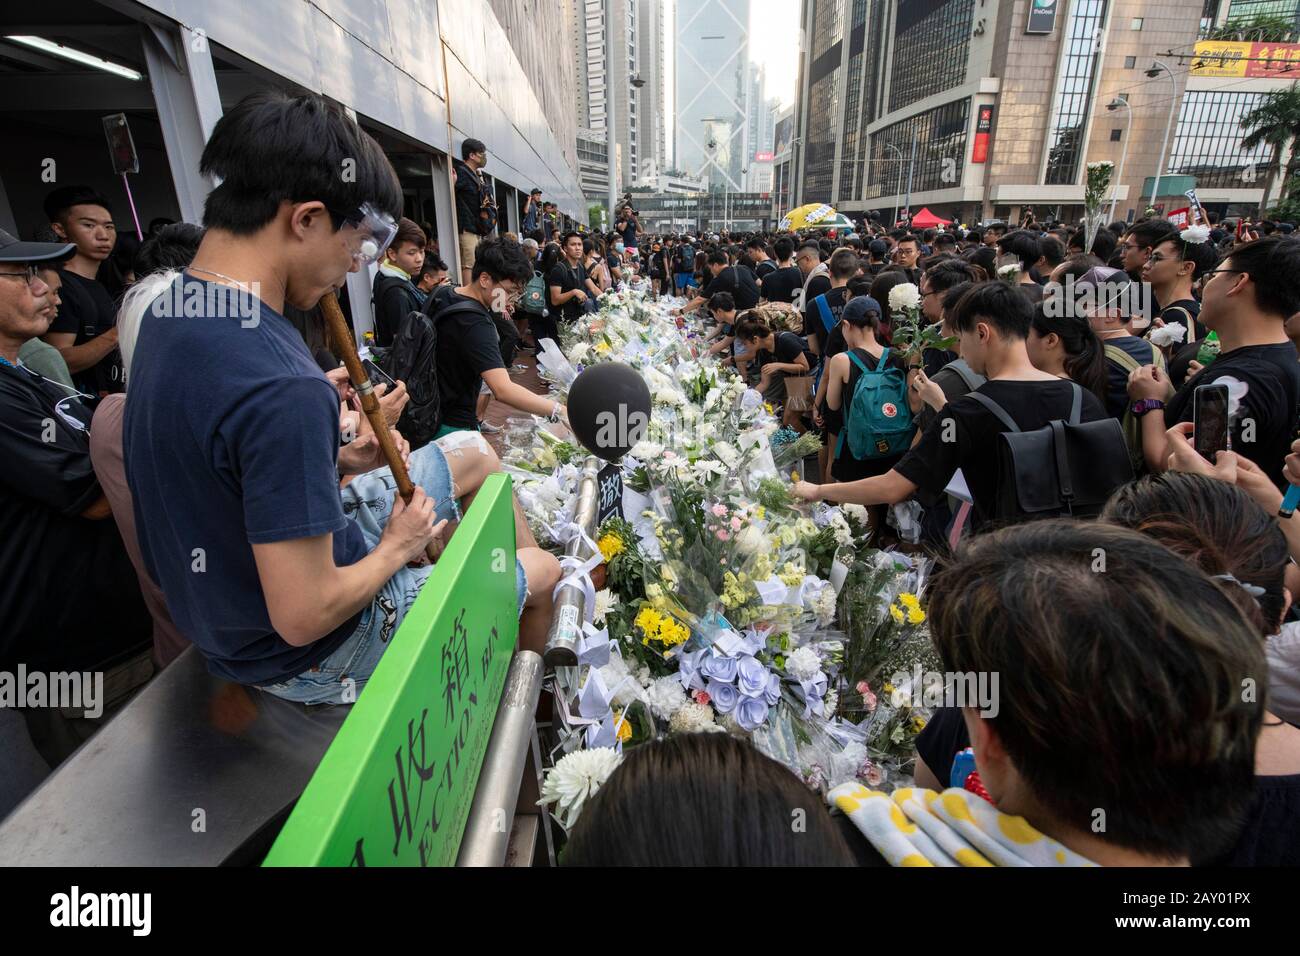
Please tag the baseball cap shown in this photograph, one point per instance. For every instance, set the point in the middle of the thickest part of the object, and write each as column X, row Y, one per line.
column 858, row 307
column 13, row 249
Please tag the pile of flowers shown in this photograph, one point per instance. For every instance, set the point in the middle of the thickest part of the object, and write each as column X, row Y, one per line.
column 722, row 605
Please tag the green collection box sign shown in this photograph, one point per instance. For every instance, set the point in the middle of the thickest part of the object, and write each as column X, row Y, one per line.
column 396, row 785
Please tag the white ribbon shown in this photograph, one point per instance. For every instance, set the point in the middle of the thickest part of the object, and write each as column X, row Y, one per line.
column 577, row 571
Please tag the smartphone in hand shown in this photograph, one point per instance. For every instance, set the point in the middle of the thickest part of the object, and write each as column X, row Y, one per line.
column 378, row 375
column 1211, row 433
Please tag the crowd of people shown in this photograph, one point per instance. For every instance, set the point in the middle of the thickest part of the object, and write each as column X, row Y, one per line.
column 186, row 463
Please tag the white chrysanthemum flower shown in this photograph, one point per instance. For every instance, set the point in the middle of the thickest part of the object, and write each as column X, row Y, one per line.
column 666, row 396
column 750, row 540
column 605, row 602
column 803, row 664
column 665, row 696
column 728, row 723
column 727, row 454
column 574, row 780
column 1101, row 164
column 823, row 605
column 707, row 466
column 1167, row 335
column 1195, row 234
column 855, row 511
column 694, row 718
column 578, row 354
column 905, row 295
column 646, row 451
column 1010, row 268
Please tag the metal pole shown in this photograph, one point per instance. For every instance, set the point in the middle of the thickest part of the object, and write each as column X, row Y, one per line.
column 1173, row 102
column 487, row 829
column 611, row 127
column 570, row 601
column 911, row 166
column 1123, row 155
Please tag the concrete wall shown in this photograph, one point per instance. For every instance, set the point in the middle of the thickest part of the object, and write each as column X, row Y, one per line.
column 385, row 61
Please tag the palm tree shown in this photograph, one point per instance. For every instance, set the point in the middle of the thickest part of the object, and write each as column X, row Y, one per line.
column 1276, row 122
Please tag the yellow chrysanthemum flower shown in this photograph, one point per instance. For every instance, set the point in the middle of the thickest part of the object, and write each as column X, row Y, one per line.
column 909, row 600
column 896, row 613
column 611, row 545
column 915, row 616
column 918, row 725
column 624, row 728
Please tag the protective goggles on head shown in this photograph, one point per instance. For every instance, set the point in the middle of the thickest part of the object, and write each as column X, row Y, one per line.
column 371, row 231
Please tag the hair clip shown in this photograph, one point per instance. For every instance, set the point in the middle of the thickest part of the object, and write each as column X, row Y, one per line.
column 1251, row 589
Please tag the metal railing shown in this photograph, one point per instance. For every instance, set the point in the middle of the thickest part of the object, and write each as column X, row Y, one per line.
column 570, row 600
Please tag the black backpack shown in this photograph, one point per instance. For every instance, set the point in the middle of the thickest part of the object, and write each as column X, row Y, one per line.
column 412, row 360
column 1064, row 469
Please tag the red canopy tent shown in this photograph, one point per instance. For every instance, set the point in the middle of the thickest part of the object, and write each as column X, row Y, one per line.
column 925, row 219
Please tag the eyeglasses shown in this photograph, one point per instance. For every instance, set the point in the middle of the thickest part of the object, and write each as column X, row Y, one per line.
column 29, row 274
column 374, row 231
column 1214, row 272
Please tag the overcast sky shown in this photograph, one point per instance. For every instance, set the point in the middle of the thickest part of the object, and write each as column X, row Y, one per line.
column 774, row 42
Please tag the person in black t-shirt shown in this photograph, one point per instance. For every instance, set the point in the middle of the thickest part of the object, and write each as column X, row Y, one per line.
column 1172, row 269
column 1246, row 301
column 469, row 349
column 1072, row 723
column 567, row 282
column 822, row 312
column 784, row 280
column 736, row 281
column 69, row 596
column 763, row 264
column 395, row 293
column 777, row 354
column 1250, row 548
column 992, row 320
column 85, row 330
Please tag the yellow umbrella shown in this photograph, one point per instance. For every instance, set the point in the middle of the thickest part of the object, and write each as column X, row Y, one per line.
column 806, row 216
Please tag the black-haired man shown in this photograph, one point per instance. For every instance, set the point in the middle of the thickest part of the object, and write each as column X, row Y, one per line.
column 992, row 321
column 476, row 205
column 532, row 213
column 85, row 330
column 783, row 283
column 1246, row 301
column 232, row 433
column 469, row 349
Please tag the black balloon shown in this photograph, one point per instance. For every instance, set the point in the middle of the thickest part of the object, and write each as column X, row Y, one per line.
column 609, row 409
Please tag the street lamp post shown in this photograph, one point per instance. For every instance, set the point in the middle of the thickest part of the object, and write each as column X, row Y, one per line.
column 611, row 126
column 1156, row 67
column 898, row 186
column 911, row 166
column 1113, row 105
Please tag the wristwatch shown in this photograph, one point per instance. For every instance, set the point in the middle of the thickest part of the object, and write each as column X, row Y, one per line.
column 1144, row 405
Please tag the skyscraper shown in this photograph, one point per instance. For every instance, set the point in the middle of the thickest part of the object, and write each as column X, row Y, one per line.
column 711, row 128
column 651, row 43
column 595, row 64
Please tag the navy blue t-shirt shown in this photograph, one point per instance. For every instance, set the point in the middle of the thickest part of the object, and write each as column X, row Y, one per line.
column 231, row 438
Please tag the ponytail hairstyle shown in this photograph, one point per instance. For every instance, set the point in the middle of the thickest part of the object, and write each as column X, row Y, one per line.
column 1085, row 360
column 750, row 329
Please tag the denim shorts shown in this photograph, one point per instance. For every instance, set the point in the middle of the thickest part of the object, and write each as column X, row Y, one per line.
column 368, row 499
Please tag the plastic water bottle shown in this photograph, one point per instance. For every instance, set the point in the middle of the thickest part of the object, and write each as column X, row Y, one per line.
column 1209, row 349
